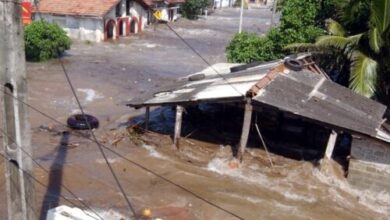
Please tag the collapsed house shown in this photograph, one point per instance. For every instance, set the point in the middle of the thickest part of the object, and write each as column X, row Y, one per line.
column 301, row 88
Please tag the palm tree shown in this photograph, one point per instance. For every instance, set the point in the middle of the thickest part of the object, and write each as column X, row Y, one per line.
column 367, row 52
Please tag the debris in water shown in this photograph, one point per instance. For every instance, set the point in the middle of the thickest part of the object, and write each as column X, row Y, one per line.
column 90, row 95
column 146, row 212
column 234, row 164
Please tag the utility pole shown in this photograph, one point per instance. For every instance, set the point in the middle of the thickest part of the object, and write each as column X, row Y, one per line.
column 18, row 166
column 275, row 5
column 241, row 15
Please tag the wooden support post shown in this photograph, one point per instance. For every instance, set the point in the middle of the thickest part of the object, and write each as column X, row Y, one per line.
column 330, row 146
column 246, row 125
column 179, row 117
column 147, row 115
column 16, row 141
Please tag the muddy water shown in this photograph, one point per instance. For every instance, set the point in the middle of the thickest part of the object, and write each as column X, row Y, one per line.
column 107, row 74
column 290, row 189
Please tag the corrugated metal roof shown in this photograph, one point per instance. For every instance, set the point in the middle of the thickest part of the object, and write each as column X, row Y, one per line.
column 307, row 93
column 233, row 86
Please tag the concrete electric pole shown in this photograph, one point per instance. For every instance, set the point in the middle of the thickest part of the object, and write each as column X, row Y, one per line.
column 275, row 5
column 241, row 16
column 18, row 166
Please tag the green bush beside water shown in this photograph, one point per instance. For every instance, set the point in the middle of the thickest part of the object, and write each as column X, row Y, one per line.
column 44, row 41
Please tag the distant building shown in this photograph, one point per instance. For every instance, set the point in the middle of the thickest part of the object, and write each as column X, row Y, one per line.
column 224, row 3
column 98, row 20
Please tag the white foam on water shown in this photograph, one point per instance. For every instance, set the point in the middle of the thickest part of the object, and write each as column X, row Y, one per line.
column 148, row 45
column 250, row 199
column 289, row 208
column 376, row 201
column 221, row 166
column 110, row 160
column 153, row 152
column 90, row 95
column 296, row 197
column 198, row 32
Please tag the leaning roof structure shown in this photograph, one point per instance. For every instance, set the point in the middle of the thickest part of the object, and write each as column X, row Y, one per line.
column 306, row 92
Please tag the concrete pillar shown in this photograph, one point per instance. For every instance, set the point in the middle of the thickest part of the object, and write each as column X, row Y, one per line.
column 246, row 125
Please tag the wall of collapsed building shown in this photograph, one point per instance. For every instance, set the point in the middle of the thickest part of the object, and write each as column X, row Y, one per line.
column 369, row 166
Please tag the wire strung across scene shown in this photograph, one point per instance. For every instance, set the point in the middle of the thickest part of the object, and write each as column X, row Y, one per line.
column 132, row 211
column 45, row 186
column 127, row 159
column 101, row 146
column 47, row 171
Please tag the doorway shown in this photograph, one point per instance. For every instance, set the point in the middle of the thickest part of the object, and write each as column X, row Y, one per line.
column 110, row 29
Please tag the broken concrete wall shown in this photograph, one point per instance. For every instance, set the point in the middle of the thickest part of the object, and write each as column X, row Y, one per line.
column 369, row 167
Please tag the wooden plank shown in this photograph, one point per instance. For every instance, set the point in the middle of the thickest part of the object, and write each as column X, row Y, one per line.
column 245, row 129
column 330, row 146
column 179, row 117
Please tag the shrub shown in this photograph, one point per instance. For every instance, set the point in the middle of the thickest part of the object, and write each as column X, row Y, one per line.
column 298, row 24
column 44, row 41
column 191, row 8
column 247, row 47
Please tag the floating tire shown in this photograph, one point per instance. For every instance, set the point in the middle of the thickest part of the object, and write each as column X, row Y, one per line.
column 196, row 77
column 80, row 122
column 245, row 66
column 293, row 64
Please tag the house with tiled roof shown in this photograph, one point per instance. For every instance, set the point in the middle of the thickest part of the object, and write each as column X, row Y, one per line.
column 98, row 20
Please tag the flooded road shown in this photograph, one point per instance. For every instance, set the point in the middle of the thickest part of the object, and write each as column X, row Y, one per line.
column 198, row 181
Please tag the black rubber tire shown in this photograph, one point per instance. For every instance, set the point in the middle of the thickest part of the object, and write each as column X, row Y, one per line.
column 245, row 66
column 196, row 77
column 293, row 64
column 80, row 122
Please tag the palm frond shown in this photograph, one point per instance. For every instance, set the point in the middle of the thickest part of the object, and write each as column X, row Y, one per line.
column 337, row 42
column 363, row 76
column 380, row 15
column 335, row 28
column 303, row 47
column 375, row 40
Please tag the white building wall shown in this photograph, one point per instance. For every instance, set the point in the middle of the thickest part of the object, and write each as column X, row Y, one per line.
column 223, row 3
column 81, row 28
column 110, row 15
column 138, row 11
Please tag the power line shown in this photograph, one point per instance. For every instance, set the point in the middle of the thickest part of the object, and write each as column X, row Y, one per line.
column 132, row 211
column 131, row 161
column 101, row 146
column 95, row 139
column 203, row 59
column 48, row 172
column 45, row 186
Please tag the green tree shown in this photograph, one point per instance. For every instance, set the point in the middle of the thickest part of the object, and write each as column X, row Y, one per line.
column 44, row 41
column 293, row 28
column 192, row 8
column 247, row 47
column 367, row 52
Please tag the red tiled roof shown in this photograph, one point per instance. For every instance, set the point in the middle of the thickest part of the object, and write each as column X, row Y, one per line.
column 175, row 1
column 95, row 8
